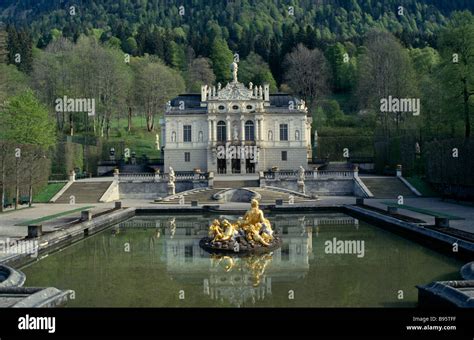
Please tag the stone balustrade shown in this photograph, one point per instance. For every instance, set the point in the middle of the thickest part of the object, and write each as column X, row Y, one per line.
column 139, row 177
column 310, row 174
column 159, row 177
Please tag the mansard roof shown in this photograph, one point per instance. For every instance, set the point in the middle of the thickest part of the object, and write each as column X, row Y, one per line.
column 192, row 103
column 191, row 100
column 282, row 99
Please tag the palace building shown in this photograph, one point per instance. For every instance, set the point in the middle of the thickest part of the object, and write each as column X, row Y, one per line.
column 236, row 130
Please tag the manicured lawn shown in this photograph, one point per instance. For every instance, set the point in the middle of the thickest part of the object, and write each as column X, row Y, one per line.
column 423, row 187
column 48, row 192
column 138, row 140
column 50, row 217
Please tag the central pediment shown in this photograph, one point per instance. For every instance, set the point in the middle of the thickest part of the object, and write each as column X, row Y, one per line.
column 234, row 91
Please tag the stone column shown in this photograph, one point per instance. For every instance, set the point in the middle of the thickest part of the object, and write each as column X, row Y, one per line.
column 303, row 132
column 257, row 129
column 179, row 133
column 243, row 163
column 214, row 129
column 228, row 168
column 209, row 123
column 228, row 128
column 242, row 129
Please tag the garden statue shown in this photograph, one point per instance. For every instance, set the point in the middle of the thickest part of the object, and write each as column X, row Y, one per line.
column 171, row 180
column 234, row 68
column 300, row 181
column 301, row 174
column 251, row 233
column 172, row 176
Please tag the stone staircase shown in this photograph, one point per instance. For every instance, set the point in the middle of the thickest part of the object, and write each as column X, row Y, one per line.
column 337, row 166
column 133, row 168
column 270, row 196
column 236, row 184
column 387, row 187
column 84, row 192
column 202, row 196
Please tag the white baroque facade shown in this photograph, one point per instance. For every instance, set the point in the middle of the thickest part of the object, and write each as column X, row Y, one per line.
column 236, row 130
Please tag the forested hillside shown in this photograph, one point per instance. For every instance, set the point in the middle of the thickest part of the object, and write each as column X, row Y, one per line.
column 270, row 28
column 343, row 57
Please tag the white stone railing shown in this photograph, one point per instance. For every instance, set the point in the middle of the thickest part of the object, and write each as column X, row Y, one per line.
column 158, row 177
column 315, row 174
column 140, row 177
column 184, row 175
column 287, row 174
column 310, row 174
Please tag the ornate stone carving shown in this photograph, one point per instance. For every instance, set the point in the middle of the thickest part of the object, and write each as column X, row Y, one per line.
column 234, row 91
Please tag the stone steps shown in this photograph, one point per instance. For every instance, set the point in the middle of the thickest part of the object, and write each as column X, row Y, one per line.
column 205, row 196
column 337, row 166
column 202, row 196
column 270, row 196
column 236, row 184
column 387, row 187
column 84, row 192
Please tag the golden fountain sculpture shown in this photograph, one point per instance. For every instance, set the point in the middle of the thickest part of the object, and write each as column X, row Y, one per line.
column 252, row 233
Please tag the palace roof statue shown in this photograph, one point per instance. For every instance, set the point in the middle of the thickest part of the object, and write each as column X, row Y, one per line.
column 234, row 91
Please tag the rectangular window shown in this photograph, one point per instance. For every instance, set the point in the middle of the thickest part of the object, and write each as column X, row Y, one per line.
column 186, row 133
column 221, row 131
column 187, row 157
column 188, row 253
column 284, row 156
column 283, row 131
column 249, row 131
column 285, row 252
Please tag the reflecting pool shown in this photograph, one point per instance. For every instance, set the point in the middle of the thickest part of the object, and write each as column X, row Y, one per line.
column 327, row 260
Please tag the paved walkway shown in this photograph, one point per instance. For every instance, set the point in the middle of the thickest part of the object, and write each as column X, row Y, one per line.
column 9, row 221
column 434, row 204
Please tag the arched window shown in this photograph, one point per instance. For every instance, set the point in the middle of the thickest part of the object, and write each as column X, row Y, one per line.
column 297, row 135
column 221, row 131
column 249, row 130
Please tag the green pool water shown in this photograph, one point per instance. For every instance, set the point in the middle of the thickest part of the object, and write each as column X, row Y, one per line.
column 156, row 261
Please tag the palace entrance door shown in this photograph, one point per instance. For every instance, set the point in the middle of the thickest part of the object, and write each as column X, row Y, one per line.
column 235, row 166
column 221, row 166
column 249, row 166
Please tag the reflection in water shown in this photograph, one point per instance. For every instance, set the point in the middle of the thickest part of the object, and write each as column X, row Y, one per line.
column 146, row 261
column 237, row 280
